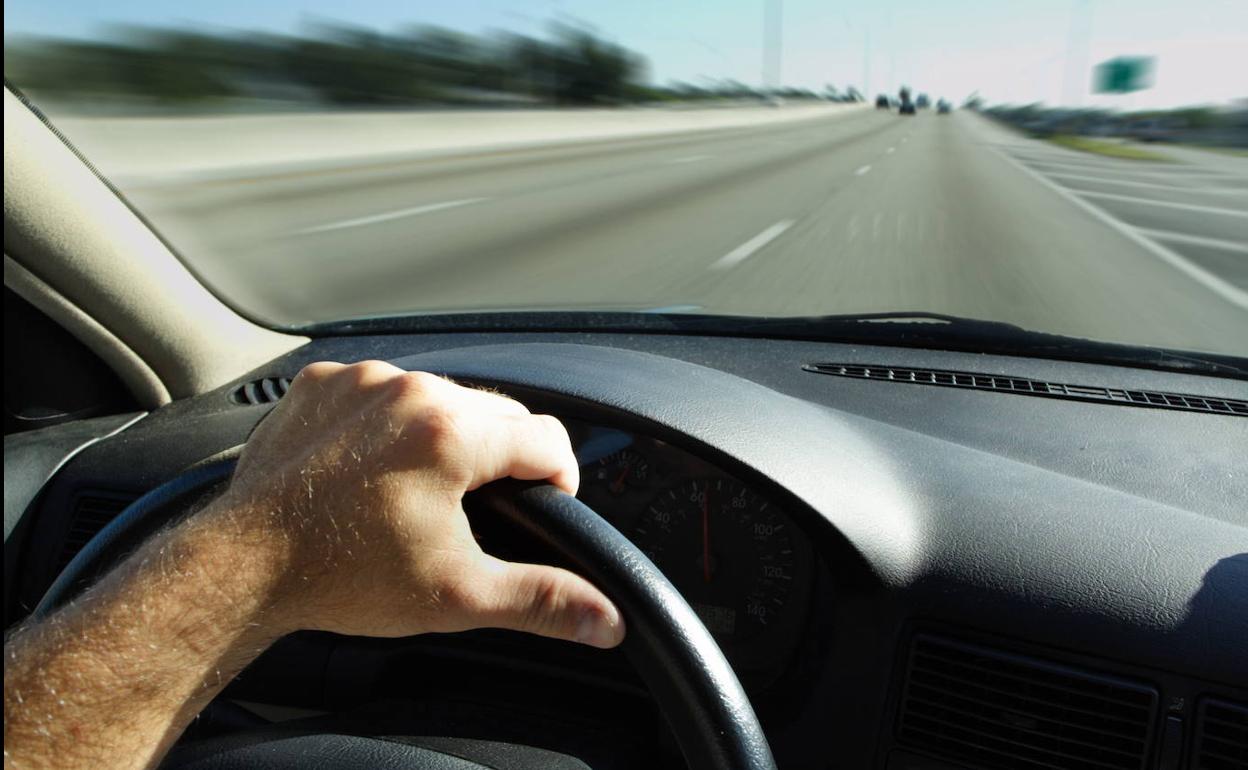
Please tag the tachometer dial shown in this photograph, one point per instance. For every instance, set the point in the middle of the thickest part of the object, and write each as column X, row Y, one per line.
column 619, row 471
column 726, row 549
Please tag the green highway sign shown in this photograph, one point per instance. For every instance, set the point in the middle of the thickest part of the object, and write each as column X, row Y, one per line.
column 1124, row 75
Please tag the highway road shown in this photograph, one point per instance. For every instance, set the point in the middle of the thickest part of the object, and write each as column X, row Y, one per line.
column 860, row 212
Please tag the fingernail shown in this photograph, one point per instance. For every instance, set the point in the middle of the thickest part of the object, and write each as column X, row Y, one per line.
column 600, row 630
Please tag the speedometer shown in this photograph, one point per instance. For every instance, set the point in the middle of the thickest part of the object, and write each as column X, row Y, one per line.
column 738, row 557
column 726, row 549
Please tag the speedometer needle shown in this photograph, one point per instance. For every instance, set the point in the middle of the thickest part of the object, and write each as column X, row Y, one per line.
column 706, row 534
column 617, row 486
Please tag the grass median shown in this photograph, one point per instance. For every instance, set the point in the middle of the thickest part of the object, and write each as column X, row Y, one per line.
column 1109, row 149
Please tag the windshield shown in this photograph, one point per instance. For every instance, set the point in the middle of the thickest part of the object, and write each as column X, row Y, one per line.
column 1076, row 168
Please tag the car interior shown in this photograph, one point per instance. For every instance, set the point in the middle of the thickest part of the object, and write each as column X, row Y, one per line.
column 911, row 552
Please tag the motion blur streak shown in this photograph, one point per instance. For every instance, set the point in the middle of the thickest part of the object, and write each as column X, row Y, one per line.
column 344, row 173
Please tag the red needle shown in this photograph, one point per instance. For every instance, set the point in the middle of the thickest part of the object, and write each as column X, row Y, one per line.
column 706, row 534
column 618, row 485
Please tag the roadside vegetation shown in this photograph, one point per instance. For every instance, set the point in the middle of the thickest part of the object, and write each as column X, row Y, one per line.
column 1208, row 127
column 1102, row 147
column 336, row 65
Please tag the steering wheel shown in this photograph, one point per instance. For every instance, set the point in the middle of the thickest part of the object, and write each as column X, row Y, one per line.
column 676, row 657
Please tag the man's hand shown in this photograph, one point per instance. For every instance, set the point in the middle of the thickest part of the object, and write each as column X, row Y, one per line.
column 358, row 474
column 344, row 514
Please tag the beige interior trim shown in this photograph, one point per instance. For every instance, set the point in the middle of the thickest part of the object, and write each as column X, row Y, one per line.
column 98, row 263
column 134, row 372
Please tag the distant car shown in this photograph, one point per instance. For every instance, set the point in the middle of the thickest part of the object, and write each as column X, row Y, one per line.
column 881, row 102
column 907, row 108
column 943, row 107
column 922, row 101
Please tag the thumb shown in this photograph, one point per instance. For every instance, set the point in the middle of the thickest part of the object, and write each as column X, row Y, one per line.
column 549, row 601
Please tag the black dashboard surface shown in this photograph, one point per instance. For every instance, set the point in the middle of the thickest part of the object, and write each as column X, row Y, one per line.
column 1106, row 537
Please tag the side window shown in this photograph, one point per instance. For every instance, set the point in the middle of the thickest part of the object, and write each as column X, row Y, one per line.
column 49, row 376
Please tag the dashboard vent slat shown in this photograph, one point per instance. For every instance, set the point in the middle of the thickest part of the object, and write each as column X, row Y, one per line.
column 1028, row 387
column 266, row 390
column 1221, row 736
column 92, row 511
column 964, row 716
column 992, row 709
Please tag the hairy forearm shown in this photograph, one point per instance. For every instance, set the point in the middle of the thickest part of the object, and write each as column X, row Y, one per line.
column 114, row 678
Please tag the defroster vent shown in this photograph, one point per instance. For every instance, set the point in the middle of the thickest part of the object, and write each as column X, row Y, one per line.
column 266, row 390
column 989, row 709
column 1221, row 736
column 1024, row 386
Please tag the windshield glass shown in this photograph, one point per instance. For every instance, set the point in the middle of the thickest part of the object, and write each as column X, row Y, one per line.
column 1075, row 167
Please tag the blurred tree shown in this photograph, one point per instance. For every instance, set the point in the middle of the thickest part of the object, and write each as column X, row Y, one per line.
column 351, row 66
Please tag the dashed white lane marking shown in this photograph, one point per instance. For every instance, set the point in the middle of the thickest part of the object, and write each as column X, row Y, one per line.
column 387, row 216
column 890, row 151
column 862, row 171
column 1165, row 204
column 1150, row 185
column 1195, row 240
column 688, row 159
column 1222, row 288
column 747, row 249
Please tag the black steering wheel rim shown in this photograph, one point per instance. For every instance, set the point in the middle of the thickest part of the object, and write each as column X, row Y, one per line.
column 694, row 685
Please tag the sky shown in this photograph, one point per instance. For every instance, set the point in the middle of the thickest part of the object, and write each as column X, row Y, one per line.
column 1009, row 51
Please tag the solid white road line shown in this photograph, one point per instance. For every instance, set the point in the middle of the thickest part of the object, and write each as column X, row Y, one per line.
column 387, row 216
column 689, row 159
column 1150, row 185
column 1214, row 283
column 745, row 250
column 1165, row 204
column 862, row 171
column 1194, row 240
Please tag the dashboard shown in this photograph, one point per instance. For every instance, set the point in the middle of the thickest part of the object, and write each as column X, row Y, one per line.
column 904, row 575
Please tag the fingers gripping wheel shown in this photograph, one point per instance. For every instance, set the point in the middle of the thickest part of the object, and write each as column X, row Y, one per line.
column 681, row 664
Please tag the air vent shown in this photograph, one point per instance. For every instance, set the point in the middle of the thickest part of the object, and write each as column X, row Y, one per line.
column 989, row 709
column 92, row 511
column 1027, row 387
column 1221, row 736
column 262, row 391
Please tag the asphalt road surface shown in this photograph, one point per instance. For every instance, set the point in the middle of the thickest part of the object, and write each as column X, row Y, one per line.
column 864, row 212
